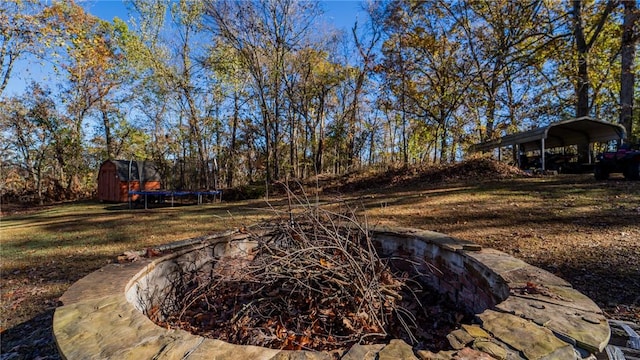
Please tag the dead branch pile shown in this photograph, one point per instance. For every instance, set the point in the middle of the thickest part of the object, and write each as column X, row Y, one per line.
column 315, row 281
column 472, row 170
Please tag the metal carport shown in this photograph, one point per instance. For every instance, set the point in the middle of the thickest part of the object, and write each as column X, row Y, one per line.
column 580, row 131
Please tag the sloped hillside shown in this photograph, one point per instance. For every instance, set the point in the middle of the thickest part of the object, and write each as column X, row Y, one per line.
column 475, row 169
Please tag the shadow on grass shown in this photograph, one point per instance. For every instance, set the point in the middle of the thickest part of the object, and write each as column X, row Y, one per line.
column 532, row 219
column 32, row 339
column 615, row 287
column 541, row 204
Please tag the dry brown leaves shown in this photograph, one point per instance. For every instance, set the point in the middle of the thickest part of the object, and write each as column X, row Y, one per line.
column 473, row 169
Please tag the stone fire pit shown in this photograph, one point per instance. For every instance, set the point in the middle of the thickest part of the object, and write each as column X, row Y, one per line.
column 522, row 312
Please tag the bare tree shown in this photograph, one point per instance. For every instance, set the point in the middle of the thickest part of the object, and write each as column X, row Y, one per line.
column 627, row 75
column 263, row 33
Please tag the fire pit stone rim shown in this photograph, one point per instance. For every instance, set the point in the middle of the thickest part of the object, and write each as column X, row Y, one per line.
column 528, row 312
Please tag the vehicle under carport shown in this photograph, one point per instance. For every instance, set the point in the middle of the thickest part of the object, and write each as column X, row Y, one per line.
column 580, row 131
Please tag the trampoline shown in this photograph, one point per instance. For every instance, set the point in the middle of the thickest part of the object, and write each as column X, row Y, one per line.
column 160, row 194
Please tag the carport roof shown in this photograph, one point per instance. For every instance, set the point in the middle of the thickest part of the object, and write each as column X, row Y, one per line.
column 580, row 131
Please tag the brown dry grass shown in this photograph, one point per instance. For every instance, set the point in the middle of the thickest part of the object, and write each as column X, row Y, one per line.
column 43, row 251
column 584, row 231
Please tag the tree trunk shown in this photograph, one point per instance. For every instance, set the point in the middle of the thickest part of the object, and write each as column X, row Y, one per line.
column 582, row 85
column 267, row 141
column 493, row 94
column 292, row 145
column 372, row 147
column 583, row 45
column 231, row 159
column 443, row 144
column 403, row 104
column 39, row 180
column 320, row 146
column 627, row 76
column 196, row 137
column 106, row 122
column 582, row 80
column 275, row 125
column 275, row 149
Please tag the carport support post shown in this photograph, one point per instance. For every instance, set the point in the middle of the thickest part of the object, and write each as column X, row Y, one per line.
column 129, row 184
column 543, row 160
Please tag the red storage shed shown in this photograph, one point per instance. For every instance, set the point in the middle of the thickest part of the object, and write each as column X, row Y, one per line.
column 117, row 177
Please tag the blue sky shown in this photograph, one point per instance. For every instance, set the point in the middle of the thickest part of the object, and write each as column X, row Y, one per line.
column 342, row 14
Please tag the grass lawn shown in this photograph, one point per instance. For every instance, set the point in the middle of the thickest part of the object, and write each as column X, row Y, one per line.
column 584, row 231
column 43, row 252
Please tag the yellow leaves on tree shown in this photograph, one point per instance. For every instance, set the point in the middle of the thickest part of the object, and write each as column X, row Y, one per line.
column 86, row 38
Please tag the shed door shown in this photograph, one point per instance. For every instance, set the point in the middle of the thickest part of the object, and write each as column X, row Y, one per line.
column 109, row 183
column 113, row 185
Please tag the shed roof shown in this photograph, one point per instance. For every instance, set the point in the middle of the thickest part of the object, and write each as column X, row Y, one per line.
column 146, row 170
column 580, row 131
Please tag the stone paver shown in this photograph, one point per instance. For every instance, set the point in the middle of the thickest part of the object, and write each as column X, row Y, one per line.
column 491, row 348
column 589, row 334
column 534, row 341
column 476, row 331
column 363, row 352
column 217, row 349
column 109, row 328
column 471, row 354
column 459, row 339
column 441, row 355
column 397, row 349
column 563, row 296
column 497, row 261
column 112, row 279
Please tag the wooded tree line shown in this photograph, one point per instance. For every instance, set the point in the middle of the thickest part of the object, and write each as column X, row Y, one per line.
column 224, row 93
